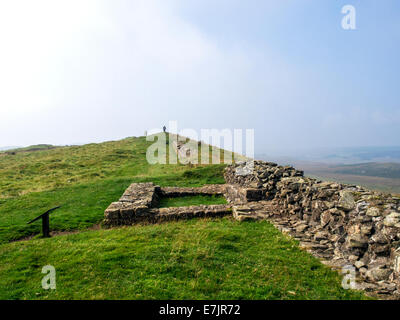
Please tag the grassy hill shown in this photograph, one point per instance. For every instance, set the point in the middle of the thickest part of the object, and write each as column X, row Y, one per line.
column 37, row 147
column 84, row 180
column 198, row 259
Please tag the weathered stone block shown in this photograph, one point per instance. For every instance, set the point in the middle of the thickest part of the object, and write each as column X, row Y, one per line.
column 346, row 201
column 392, row 220
column 373, row 212
column 113, row 210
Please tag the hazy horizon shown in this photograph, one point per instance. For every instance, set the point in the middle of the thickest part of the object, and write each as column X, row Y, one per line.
column 93, row 71
column 345, row 155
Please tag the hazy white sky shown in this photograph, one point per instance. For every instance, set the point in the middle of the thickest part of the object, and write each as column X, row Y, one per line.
column 94, row 70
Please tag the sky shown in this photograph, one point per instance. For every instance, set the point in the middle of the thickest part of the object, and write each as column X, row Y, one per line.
column 96, row 70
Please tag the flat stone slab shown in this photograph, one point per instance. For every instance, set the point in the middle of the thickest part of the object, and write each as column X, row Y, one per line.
column 143, row 194
column 212, row 189
column 203, row 211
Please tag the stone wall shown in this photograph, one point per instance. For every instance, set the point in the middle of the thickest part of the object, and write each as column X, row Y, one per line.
column 133, row 205
column 139, row 204
column 341, row 224
column 212, row 189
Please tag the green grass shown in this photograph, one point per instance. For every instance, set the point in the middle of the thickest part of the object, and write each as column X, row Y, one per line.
column 191, row 201
column 195, row 259
column 84, row 181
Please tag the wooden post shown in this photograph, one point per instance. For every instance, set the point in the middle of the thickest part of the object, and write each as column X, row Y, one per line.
column 46, row 225
column 45, row 222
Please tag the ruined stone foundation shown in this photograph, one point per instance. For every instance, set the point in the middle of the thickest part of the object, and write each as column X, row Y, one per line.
column 343, row 225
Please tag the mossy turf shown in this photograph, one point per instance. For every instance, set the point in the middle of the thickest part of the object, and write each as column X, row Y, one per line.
column 195, row 259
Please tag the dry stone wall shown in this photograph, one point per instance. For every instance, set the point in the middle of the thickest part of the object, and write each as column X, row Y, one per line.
column 139, row 204
column 133, row 206
column 212, row 189
column 343, row 225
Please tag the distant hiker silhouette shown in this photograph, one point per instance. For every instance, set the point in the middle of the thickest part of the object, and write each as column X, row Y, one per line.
column 165, row 128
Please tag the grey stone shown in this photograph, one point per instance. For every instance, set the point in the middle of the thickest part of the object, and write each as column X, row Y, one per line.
column 378, row 274
column 373, row 212
column 392, row 220
column 346, row 201
column 357, row 241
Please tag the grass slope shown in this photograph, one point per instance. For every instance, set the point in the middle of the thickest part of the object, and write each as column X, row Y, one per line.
column 84, row 181
column 195, row 259
column 182, row 260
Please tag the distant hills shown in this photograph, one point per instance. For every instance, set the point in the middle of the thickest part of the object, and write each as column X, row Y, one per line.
column 348, row 155
column 8, row 148
column 361, row 154
column 37, row 147
column 373, row 167
column 372, row 175
column 384, row 170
